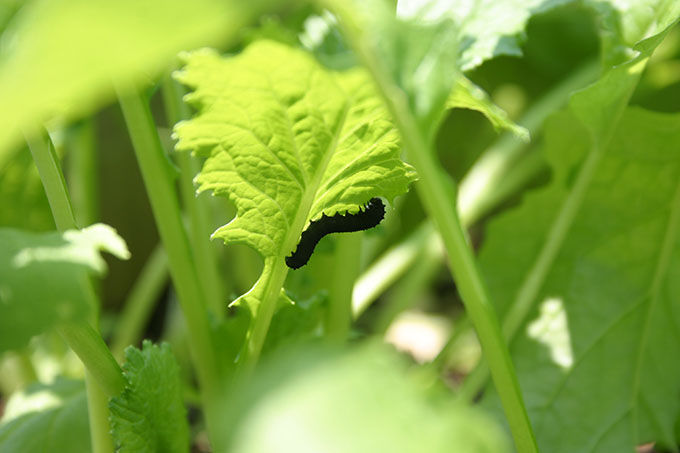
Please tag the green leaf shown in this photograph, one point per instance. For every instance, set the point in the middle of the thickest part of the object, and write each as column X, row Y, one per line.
column 597, row 363
column 149, row 415
column 64, row 54
column 418, row 52
column 600, row 105
column 361, row 401
column 22, row 196
column 467, row 95
column 43, row 277
column 287, row 140
column 487, row 28
column 47, row 418
column 297, row 322
column 624, row 24
column 421, row 54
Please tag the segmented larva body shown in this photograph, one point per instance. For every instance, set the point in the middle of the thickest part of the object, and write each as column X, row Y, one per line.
column 368, row 217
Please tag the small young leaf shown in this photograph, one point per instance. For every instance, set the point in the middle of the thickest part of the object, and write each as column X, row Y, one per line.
column 149, row 415
column 47, row 418
column 42, row 277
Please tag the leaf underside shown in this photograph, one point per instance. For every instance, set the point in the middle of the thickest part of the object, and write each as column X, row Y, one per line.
column 287, row 140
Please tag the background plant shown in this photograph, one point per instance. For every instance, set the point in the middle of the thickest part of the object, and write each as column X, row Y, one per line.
column 556, row 216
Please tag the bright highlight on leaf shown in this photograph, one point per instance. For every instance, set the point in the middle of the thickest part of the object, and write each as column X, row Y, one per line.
column 43, row 275
column 287, row 140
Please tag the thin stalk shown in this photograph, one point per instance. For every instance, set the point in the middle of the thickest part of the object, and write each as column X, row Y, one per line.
column 159, row 182
column 47, row 162
column 104, row 377
column 140, row 302
column 98, row 410
column 346, row 262
column 436, row 195
column 82, row 170
column 275, row 272
column 91, row 349
column 200, row 229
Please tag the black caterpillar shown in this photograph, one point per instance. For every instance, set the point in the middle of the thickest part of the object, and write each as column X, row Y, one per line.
column 371, row 215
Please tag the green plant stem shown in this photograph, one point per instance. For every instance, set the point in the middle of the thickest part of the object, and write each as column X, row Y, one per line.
column 346, row 262
column 436, row 195
column 275, row 271
column 159, row 181
column 82, row 170
column 200, row 230
column 97, row 411
column 47, row 162
column 91, row 349
column 436, row 199
column 140, row 302
column 103, row 377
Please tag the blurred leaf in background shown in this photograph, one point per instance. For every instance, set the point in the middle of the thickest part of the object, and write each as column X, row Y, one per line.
column 61, row 57
column 358, row 401
column 46, row 418
column 43, row 277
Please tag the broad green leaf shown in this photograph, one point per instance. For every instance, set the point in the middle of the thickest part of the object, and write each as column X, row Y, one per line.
column 60, row 57
column 287, row 140
column 47, row 418
column 361, row 401
column 323, row 38
column 43, row 276
column 597, row 358
column 149, row 416
column 487, row 28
